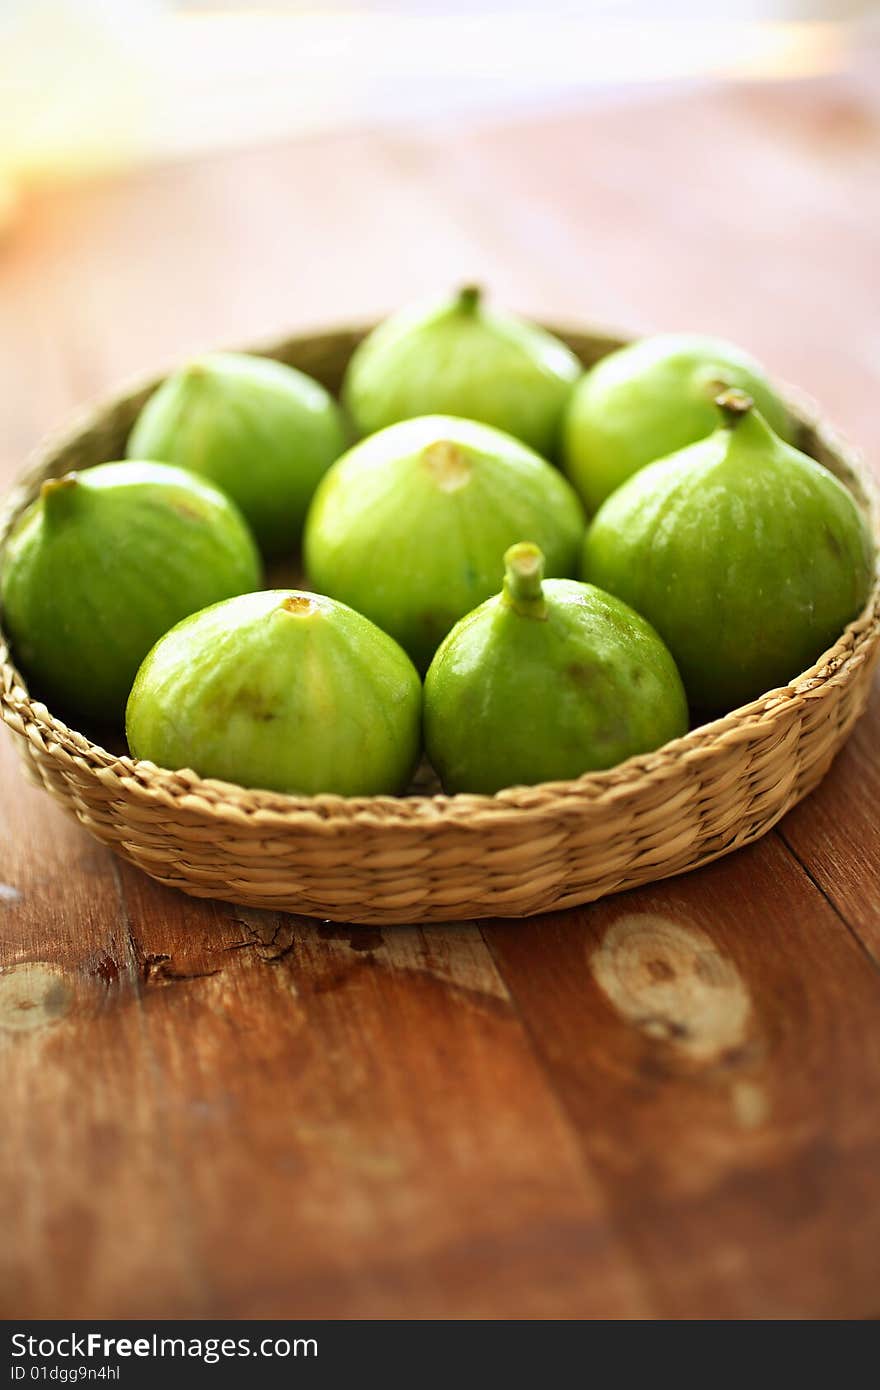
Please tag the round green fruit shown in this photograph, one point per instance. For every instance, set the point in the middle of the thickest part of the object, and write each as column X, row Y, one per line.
column 650, row 399
column 281, row 690
column 546, row 681
column 455, row 357
column 263, row 432
column 748, row 557
column 411, row 525
column 102, row 564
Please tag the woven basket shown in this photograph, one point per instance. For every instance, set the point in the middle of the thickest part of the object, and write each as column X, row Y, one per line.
column 424, row 858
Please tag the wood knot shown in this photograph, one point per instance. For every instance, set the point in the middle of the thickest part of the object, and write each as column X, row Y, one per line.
column 674, row 985
column 32, row 995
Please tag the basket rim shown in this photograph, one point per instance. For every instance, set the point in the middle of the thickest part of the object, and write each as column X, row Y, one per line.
column 225, row 801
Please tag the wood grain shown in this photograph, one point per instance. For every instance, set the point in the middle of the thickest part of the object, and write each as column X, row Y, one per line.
column 696, row 1036
column 658, row 1106
column 245, row 1107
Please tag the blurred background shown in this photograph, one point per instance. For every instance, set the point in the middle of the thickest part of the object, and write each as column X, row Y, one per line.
column 96, row 84
column 176, row 173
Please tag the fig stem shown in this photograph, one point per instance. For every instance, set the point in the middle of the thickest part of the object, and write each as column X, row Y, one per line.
column 57, row 493
column 469, row 297
column 523, row 576
column 299, row 604
column 734, row 406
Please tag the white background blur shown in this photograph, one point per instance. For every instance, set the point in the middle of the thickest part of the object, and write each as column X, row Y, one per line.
column 92, row 85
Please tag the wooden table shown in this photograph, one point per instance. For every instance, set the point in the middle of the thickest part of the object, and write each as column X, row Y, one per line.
column 665, row 1104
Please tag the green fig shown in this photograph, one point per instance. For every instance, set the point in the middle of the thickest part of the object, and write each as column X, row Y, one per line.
column 545, row 681
column 102, row 564
column 748, row 557
column 651, row 398
column 263, row 432
column 455, row 357
column 411, row 525
column 281, row 690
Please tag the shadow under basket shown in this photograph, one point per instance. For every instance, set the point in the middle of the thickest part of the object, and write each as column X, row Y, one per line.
column 424, row 858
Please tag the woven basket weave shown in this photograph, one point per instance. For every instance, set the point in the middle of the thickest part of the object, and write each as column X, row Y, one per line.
column 427, row 858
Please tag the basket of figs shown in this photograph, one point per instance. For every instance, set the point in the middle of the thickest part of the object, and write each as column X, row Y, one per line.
column 455, row 616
